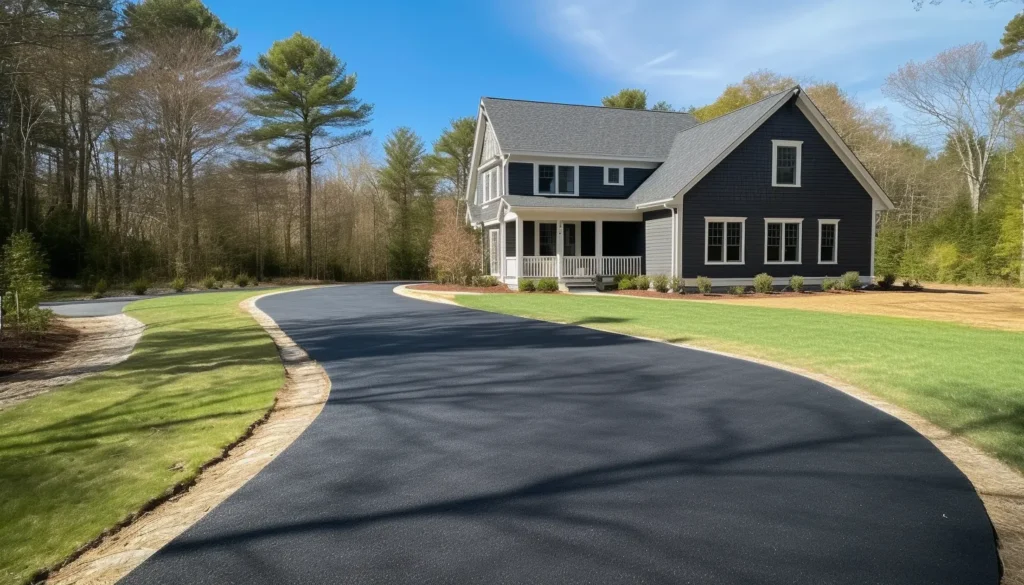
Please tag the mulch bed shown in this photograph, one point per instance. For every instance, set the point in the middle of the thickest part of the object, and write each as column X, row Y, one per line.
column 27, row 350
column 457, row 288
column 693, row 296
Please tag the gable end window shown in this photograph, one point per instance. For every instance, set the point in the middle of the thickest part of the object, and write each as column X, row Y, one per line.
column 724, row 240
column 613, row 176
column 489, row 179
column 783, row 239
column 787, row 158
column 556, row 179
column 828, row 241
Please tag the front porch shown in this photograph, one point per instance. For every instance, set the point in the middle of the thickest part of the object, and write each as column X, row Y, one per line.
column 569, row 250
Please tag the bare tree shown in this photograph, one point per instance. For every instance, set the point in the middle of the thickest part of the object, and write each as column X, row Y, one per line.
column 956, row 96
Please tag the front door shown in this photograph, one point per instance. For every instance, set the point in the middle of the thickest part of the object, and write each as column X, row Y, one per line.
column 569, row 239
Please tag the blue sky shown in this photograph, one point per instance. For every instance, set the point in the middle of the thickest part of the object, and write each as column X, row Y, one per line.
column 424, row 63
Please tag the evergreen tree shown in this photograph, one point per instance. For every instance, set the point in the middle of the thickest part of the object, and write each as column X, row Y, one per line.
column 302, row 93
column 409, row 184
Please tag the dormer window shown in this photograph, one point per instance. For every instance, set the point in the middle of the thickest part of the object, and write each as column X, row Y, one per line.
column 786, row 163
column 556, row 180
column 613, row 175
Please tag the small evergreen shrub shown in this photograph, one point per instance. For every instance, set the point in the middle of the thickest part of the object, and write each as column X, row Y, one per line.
column 660, row 283
column 703, row 285
column 620, row 277
column 738, row 290
column 22, row 266
column 527, row 285
column 140, row 286
column 486, row 281
column 625, row 283
column 796, row 283
column 209, row 282
column 178, row 284
column 828, row 284
column 851, row 280
column 642, row 283
column 764, row 283
column 886, row 282
column 547, row 285
column 242, row 280
column 675, row 285
column 100, row 288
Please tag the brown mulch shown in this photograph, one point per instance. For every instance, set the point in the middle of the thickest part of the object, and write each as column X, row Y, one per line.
column 27, row 350
column 458, row 288
column 723, row 296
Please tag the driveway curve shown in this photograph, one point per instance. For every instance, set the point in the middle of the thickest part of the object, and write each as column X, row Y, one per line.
column 466, row 447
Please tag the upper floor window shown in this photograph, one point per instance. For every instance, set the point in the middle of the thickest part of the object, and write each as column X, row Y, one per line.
column 724, row 240
column 786, row 163
column 613, row 175
column 828, row 241
column 556, row 179
column 782, row 241
column 490, row 183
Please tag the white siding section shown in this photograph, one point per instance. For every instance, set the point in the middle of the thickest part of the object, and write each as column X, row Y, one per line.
column 491, row 149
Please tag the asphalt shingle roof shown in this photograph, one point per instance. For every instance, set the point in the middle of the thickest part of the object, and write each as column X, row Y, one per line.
column 697, row 147
column 568, row 202
column 524, row 126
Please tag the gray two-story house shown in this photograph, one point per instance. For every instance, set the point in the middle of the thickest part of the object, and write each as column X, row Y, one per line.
column 577, row 192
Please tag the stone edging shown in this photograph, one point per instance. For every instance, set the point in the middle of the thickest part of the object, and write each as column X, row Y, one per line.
column 303, row 396
column 1000, row 487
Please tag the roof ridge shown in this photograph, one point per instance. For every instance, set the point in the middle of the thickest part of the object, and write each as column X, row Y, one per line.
column 751, row 104
column 487, row 97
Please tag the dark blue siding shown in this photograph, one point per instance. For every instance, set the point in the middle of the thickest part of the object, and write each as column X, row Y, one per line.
column 520, row 181
column 740, row 186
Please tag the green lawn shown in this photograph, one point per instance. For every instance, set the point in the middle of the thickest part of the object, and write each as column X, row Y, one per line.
column 78, row 460
column 967, row 380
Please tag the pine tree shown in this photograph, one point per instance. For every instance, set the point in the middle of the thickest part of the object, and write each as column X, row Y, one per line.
column 410, row 186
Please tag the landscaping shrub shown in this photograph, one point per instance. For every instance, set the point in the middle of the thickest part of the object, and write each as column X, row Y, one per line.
column 703, row 285
column 851, row 281
column 620, row 277
column 22, row 267
column 642, row 283
column 828, row 284
column 796, row 283
column 738, row 290
column 675, row 284
column 660, row 283
column 764, row 283
column 886, row 281
column 100, row 288
column 35, row 320
column 911, row 284
column 485, row 281
column 625, row 283
column 527, row 285
column 210, row 283
column 242, row 280
column 178, row 284
column 140, row 286
column 547, row 285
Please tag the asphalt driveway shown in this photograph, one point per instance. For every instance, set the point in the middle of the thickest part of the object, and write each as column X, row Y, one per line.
column 466, row 447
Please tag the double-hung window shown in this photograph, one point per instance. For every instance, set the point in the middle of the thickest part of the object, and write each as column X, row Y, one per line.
column 490, row 184
column 786, row 163
column 782, row 241
column 556, row 179
column 724, row 239
column 613, row 176
column 828, row 241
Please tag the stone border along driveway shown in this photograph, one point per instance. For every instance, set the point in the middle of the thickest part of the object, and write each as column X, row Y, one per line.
column 103, row 342
column 117, row 553
column 1000, row 487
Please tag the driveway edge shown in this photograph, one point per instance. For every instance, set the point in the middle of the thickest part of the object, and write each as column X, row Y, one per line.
column 296, row 405
column 1000, row 487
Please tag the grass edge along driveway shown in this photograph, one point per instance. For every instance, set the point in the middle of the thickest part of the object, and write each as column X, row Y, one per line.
column 80, row 459
column 967, row 380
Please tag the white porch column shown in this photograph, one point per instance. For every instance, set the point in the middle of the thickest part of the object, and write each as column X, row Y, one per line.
column 502, row 264
column 599, row 245
column 558, row 251
column 519, row 247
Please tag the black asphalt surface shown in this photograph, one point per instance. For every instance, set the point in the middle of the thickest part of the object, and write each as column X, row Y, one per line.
column 91, row 308
column 466, row 447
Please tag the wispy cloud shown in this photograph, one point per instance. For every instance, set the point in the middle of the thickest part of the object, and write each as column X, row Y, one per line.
column 687, row 52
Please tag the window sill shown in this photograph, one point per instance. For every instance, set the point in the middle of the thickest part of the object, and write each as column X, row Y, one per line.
column 724, row 263
column 556, row 195
column 828, row 263
column 791, row 263
column 797, row 186
column 614, row 184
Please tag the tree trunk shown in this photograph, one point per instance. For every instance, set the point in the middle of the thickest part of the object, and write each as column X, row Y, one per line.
column 83, row 164
column 193, row 214
column 307, row 211
column 116, row 196
column 66, row 174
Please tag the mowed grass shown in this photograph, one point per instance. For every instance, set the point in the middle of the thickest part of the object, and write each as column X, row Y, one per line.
column 80, row 459
column 967, row 380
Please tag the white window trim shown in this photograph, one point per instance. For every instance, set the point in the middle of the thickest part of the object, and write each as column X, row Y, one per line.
column 835, row 244
column 575, row 180
column 492, row 184
column 536, row 236
column 799, row 245
column 622, row 177
column 725, row 235
column 775, row 160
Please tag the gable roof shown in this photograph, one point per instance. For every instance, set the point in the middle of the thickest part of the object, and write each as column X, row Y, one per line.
column 550, row 128
column 701, row 147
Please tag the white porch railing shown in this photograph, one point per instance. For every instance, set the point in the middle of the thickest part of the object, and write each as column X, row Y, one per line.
column 579, row 266
column 615, row 265
column 540, row 266
column 510, row 268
